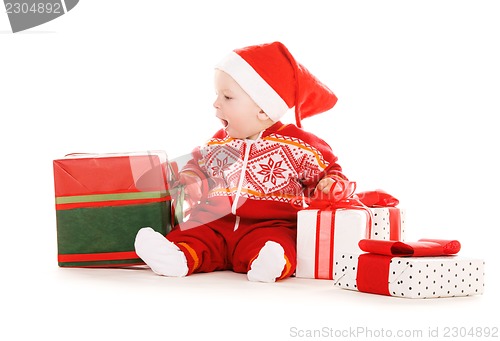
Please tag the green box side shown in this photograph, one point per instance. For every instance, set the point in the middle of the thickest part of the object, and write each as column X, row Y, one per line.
column 108, row 229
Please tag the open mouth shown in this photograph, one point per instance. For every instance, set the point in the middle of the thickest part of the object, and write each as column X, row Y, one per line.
column 224, row 123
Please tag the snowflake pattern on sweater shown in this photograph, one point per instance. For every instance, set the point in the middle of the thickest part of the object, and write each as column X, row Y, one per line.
column 278, row 166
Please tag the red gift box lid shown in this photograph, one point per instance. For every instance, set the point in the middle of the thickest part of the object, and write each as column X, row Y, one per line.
column 90, row 174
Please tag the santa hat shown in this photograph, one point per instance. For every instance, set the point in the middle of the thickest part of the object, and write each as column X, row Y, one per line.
column 269, row 74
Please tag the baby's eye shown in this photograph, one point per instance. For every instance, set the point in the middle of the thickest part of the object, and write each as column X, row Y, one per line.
column 227, row 97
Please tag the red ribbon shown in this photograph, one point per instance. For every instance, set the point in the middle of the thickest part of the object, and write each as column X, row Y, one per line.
column 373, row 267
column 94, row 257
column 373, row 273
column 422, row 248
column 377, row 198
column 341, row 195
column 323, row 259
column 394, row 223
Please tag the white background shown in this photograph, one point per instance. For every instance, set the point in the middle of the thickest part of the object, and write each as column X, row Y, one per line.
column 418, row 85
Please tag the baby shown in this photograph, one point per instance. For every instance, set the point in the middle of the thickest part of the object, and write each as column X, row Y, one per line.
column 247, row 174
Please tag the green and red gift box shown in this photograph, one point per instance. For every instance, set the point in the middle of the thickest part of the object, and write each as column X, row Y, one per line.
column 102, row 200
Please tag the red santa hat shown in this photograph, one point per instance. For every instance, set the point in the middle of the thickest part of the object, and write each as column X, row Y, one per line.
column 269, row 74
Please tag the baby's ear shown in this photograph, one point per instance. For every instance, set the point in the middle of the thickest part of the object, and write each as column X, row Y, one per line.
column 262, row 115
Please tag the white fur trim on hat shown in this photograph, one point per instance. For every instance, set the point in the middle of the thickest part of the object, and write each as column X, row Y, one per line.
column 254, row 85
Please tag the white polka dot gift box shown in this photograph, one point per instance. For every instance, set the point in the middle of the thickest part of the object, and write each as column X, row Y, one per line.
column 424, row 269
column 388, row 221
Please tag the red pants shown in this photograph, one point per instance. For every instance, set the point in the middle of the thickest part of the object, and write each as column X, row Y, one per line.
column 216, row 245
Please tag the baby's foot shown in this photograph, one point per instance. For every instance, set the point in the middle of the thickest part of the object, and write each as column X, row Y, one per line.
column 160, row 254
column 269, row 264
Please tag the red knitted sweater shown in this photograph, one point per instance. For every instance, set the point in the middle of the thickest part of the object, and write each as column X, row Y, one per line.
column 257, row 179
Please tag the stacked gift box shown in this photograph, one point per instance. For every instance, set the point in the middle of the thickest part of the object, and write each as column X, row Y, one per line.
column 424, row 269
column 358, row 241
column 102, row 200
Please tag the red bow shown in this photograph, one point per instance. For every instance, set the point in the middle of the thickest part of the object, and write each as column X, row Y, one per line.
column 377, row 198
column 341, row 195
column 422, row 248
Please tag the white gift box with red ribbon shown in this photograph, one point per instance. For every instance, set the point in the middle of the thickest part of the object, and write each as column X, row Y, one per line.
column 322, row 234
column 335, row 225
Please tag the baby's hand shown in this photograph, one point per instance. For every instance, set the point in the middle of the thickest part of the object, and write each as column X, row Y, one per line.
column 325, row 185
column 334, row 189
column 192, row 187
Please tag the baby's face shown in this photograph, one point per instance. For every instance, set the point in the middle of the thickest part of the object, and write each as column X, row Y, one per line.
column 238, row 113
